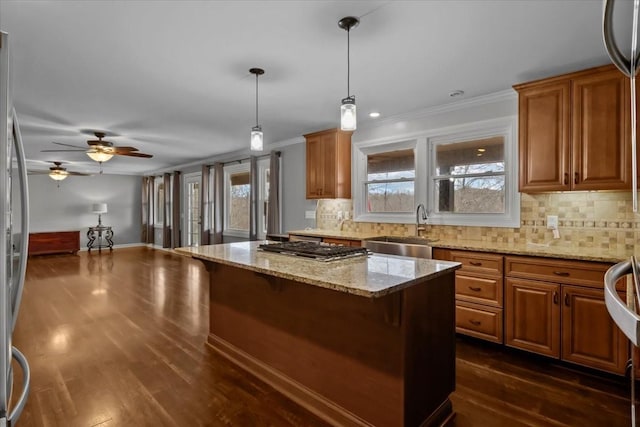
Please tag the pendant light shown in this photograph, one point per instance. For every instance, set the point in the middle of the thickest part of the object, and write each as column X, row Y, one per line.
column 256, row 131
column 348, row 106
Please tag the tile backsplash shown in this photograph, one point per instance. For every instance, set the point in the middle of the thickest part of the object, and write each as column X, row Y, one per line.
column 585, row 219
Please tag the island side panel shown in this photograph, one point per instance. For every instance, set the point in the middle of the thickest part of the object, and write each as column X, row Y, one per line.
column 428, row 317
column 344, row 347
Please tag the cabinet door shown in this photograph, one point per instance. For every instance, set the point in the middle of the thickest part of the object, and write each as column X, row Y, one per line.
column 600, row 134
column 589, row 336
column 544, row 137
column 532, row 313
column 321, row 166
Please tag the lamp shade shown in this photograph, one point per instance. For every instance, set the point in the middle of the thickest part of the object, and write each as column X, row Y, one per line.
column 99, row 208
column 256, row 138
column 99, row 156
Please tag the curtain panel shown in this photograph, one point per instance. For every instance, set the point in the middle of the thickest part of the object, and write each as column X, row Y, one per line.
column 205, row 202
column 218, row 202
column 273, row 213
column 253, row 198
column 166, row 223
column 175, row 214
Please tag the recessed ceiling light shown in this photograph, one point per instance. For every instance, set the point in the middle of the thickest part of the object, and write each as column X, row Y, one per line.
column 456, row 93
column 374, row 114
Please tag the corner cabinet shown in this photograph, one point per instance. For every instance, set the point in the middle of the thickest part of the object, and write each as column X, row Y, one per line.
column 574, row 132
column 329, row 164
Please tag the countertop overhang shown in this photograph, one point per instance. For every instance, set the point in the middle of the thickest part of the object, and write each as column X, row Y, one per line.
column 372, row 276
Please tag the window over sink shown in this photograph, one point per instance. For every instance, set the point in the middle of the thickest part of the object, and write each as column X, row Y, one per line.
column 465, row 175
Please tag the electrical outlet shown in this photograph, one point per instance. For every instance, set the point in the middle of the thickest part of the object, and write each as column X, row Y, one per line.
column 309, row 214
column 340, row 215
column 552, row 222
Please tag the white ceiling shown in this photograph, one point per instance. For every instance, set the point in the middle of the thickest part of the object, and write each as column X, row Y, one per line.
column 171, row 77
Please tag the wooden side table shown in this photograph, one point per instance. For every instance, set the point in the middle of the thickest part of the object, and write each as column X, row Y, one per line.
column 104, row 236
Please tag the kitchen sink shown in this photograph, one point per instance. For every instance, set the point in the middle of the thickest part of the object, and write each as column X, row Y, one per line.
column 418, row 247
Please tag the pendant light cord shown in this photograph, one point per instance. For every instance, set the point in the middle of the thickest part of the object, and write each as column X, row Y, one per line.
column 348, row 62
column 257, row 100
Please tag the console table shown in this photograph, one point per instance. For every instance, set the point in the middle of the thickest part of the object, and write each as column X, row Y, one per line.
column 104, row 236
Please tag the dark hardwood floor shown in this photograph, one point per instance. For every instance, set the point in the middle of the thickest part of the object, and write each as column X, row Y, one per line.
column 118, row 338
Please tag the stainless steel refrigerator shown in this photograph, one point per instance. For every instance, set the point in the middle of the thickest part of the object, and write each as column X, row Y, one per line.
column 14, row 238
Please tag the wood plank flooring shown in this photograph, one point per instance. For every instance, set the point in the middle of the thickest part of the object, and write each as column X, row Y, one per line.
column 118, row 339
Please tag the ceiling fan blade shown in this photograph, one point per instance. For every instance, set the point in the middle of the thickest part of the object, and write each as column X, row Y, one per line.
column 66, row 145
column 135, row 154
column 37, row 172
column 79, row 174
column 122, row 150
column 60, row 151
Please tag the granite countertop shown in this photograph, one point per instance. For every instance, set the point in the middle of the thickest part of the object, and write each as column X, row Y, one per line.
column 373, row 276
column 552, row 249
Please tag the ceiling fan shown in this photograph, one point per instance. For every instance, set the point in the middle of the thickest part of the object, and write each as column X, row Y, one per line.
column 58, row 173
column 101, row 150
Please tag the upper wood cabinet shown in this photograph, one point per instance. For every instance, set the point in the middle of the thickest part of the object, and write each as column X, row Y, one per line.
column 329, row 164
column 574, row 132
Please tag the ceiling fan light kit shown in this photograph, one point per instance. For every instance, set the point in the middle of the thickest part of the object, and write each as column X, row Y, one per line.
column 348, row 119
column 99, row 155
column 257, row 137
column 58, row 175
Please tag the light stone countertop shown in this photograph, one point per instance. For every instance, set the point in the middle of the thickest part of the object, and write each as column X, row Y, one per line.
column 552, row 249
column 373, row 276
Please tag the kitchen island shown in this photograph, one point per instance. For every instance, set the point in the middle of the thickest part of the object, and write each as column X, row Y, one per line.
column 360, row 341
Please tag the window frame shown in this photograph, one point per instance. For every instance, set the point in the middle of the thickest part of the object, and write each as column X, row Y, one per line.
column 228, row 171
column 158, row 205
column 360, row 152
column 423, row 144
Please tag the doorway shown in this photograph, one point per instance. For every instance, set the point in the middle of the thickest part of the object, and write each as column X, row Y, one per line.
column 192, row 185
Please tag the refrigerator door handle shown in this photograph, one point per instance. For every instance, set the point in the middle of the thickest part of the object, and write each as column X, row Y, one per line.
column 627, row 319
column 16, row 296
column 14, row 414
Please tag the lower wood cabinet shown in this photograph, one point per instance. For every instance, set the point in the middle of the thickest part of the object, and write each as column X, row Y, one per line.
column 589, row 336
column 346, row 242
column 479, row 321
column 533, row 316
column 556, row 318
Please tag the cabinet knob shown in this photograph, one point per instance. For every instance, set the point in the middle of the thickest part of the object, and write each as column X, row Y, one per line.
column 555, row 297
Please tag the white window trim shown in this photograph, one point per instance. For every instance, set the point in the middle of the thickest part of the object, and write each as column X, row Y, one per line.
column 156, row 199
column 228, row 171
column 505, row 127
column 360, row 152
column 423, row 142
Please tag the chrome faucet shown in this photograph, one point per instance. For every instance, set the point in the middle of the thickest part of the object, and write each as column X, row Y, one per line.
column 425, row 218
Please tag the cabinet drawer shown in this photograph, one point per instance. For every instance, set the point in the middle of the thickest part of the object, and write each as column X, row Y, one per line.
column 479, row 321
column 484, row 290
column 478, row 262
column 557, row 271
column 345, row 242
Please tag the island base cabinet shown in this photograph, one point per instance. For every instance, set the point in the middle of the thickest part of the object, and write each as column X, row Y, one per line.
column 352, row 360
column 533, row 316
column 589, row 335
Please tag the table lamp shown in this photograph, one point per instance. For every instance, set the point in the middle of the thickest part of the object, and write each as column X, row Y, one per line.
column 99, row 208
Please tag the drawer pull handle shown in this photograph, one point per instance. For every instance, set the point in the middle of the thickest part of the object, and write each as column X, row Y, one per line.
column 475, row 322
column 566, row 178
column 555, row 297
column 561, row 273
column 567, row 301
column 475, row 288
column 476, row 263
column 575, row 178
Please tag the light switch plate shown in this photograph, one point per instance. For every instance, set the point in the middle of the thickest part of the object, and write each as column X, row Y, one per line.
column 552, row 222
column 309, row 214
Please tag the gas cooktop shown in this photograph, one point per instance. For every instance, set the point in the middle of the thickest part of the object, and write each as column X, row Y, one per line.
column 315, row 250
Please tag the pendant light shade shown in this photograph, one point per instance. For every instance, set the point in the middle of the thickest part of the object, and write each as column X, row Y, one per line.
column 348, row 119
column 99, row 156
column 58, row 175
column 257, row 137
